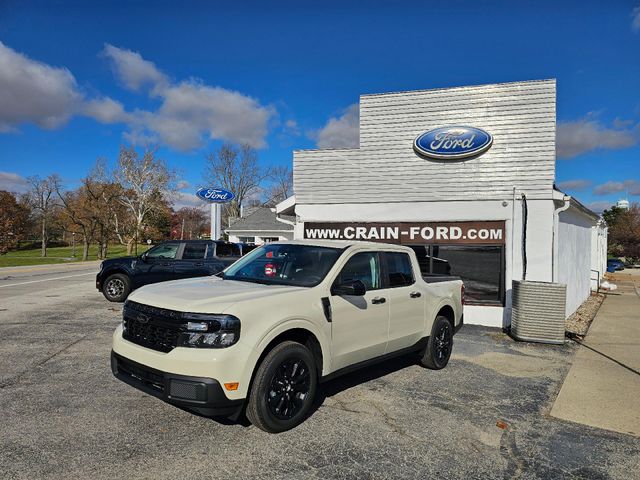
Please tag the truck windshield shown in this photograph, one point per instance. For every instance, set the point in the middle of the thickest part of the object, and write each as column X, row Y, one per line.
column 284, row 264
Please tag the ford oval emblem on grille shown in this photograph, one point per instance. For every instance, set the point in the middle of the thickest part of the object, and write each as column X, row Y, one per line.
column 142, row 318
column 452, row 143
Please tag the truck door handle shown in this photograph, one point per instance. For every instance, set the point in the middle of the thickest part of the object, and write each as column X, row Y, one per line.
column 378, row 300
column 166, row 264
column 199, row 264
column 415, row 294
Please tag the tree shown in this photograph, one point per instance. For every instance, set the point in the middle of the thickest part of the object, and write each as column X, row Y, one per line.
column 145, row 182
column 624, row 232
column 235, row 168
column 189, row 223
column 281, row 185
column 14, row 221
column 42, row 200
column 80, row 210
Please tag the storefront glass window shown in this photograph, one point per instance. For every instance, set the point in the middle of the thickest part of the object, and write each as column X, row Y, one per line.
column 480, row 267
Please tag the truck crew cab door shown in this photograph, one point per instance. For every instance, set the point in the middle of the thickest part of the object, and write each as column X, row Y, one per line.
column 406, row 302
column 359, row 327
column 157, row 264
column 227, row 252
column 194, row 261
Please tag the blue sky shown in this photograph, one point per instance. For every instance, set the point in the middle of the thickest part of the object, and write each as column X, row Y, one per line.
column 78, row 79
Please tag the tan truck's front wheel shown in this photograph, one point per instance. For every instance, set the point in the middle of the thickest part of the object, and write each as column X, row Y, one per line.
column 283, row 388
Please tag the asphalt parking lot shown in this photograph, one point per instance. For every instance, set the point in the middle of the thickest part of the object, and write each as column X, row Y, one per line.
column 65, row 416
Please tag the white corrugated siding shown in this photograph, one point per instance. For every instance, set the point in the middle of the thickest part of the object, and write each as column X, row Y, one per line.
column 521, row 117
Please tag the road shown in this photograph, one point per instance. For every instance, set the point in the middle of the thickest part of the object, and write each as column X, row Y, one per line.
column 65, row 416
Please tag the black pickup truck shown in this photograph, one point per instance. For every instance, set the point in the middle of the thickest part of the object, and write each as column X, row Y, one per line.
column 167, row 261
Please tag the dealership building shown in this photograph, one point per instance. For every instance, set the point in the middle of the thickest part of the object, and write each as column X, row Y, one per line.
column 466, row 177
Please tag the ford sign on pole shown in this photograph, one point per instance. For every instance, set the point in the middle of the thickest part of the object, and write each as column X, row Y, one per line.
column 452, row 143
column 215, row 196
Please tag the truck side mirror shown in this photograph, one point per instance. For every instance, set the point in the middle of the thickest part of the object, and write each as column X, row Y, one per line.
column 355, row 288
column 143, row 257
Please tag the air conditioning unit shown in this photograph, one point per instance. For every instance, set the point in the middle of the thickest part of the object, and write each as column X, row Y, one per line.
column 538, row 311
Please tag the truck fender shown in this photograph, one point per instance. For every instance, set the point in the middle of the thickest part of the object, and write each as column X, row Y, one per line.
column 445, row 302
column 280, row 328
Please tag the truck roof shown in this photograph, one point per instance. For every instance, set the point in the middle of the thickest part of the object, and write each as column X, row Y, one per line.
column 343, row 243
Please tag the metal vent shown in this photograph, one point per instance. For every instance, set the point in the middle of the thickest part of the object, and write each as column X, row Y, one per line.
column 538, row 311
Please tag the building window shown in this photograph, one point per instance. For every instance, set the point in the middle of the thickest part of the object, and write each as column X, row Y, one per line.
column 480, row 267
column 247, row 239
column 270, row 239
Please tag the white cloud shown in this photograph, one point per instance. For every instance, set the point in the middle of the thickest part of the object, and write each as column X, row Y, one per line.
column 133, row 70
column 187, row 199
column 33, row 92
column 12, row 182
column 600, row 206
column 105, row 110
column 342, row 131
column 632, row 187
column 291, row 127
column 189, row 112
column 582, row 136
column 635, row 23
column 575, row 185
column 183, row 184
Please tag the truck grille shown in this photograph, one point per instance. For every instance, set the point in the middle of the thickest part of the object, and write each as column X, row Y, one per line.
column 152, row 327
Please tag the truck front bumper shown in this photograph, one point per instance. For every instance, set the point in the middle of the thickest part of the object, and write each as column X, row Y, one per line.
column 199, row 394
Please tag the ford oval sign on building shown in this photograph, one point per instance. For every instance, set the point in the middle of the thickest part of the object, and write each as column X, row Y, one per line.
column 452, row 143
column 214, row 195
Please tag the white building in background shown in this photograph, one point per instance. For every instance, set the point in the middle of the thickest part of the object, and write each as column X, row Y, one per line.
column 259, row 226
column 492, row 217
column 623, row 203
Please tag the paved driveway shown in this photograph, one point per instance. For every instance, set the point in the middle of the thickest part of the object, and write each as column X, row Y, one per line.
column 64, row 415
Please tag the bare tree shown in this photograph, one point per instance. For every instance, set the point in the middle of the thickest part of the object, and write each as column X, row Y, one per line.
column 14, row 221
column 42, row 200
column 236, row 169
column 281, row 185
column 145, row 182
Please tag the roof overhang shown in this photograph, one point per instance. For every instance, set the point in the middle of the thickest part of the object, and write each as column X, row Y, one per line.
column 287, row 206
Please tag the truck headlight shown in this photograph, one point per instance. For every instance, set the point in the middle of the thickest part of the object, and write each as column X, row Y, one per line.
column 209, row 331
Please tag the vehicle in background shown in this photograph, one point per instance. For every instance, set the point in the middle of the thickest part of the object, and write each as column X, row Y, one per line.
column 290, row 314
column 246, row 248
column 170, row 260
column 614, row 264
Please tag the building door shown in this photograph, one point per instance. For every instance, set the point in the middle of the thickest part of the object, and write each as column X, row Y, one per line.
column 359, row 329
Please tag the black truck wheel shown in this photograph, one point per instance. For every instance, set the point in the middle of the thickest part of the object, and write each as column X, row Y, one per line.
column 116, row 287
column 283, row 388
column 438, row 350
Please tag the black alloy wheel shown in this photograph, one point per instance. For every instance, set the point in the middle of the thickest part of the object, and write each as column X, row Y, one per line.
column 440, row 345
column 283, row 388
column 116, row 288
column 289, row 388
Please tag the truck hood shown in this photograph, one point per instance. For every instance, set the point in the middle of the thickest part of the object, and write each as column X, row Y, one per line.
column 205, row 294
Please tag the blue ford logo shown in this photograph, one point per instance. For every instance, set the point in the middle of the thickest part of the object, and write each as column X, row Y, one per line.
column 215, row 195
column 452, row 142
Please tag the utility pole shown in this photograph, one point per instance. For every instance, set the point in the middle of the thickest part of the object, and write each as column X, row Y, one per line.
column 182, row 230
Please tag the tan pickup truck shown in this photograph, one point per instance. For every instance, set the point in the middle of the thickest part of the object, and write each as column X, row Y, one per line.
column 261, row 335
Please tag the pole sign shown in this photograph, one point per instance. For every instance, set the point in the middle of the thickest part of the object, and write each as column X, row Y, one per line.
column 214, row 195
column 452, row 143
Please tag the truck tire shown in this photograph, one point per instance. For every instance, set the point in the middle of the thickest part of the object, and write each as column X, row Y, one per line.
column 438, row 350
column 116, row 287
column 283, row 388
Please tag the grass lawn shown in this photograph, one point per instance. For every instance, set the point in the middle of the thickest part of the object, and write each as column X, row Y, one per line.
column 60, row 255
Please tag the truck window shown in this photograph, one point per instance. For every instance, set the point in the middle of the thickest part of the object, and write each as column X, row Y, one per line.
column 194, row 251
column 399, row 271
column 363, row 266
column 227, row 250
column 166, row 250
